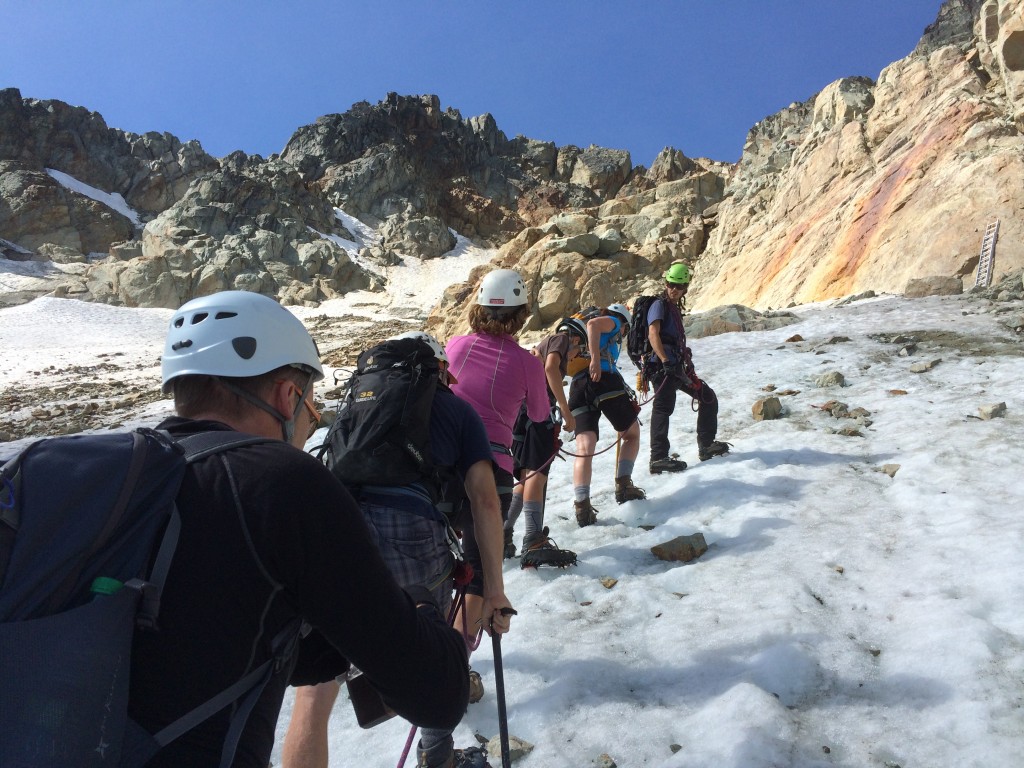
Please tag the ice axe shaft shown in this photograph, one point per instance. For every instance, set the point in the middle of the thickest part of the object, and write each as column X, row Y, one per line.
column 499, row 689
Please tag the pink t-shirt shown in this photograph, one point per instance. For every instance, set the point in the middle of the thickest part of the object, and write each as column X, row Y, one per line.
column 495, row 376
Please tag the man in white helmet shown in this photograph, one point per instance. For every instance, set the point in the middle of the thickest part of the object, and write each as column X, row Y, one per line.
column 268, row 536
column 399, row 515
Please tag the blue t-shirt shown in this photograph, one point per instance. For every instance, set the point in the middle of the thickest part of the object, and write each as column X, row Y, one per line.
column 457, row 439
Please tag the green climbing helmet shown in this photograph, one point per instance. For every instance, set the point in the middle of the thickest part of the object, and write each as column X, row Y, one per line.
column 678, row 273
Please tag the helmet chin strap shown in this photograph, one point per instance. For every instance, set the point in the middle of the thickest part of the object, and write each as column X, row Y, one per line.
column 287, row 425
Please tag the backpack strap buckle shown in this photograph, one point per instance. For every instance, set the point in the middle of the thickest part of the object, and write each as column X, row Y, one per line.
column 149, row 603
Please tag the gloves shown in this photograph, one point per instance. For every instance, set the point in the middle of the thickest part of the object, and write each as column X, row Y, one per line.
column 673, row 369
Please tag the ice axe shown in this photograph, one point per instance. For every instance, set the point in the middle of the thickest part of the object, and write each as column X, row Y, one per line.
column 499, row 689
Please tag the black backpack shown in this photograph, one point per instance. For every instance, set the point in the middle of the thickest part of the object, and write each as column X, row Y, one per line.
column 381, row 435
column 638, row 344
column 80, row 520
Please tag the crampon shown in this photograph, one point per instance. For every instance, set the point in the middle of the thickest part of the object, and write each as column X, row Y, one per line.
column 539, row 550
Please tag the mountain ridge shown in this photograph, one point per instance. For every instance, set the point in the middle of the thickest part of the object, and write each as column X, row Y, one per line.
column 865, row 185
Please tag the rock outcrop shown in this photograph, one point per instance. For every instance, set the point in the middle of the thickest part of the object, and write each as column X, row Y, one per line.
column 150, row 172
column 604, row 254
column 422, row 170
column 250, row 225
column 868, row 185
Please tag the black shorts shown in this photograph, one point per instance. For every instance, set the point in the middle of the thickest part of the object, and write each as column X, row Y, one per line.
column 533, row 444
column 588, row 400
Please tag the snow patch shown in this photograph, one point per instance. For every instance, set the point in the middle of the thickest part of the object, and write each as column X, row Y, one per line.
column 112, row 200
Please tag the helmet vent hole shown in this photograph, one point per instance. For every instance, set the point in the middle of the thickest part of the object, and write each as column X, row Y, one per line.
column 225, row 315
column 198, row 317
column 244, row 346
column 179, row 321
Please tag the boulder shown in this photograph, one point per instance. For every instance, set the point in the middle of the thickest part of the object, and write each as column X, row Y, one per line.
column 681, row 549
column 732, row 318
column 939, row 285
column 767, row 409
column 994, row 411
column 602, row 170
column 423, row 236
column 830, row 379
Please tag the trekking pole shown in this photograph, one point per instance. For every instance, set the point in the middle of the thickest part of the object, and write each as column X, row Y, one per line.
column 408, row 746
column 499, row 689
column 462, row 576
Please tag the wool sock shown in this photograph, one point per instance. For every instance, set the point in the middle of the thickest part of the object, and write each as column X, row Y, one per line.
column 624, row 468
column 534, row 516
column 581, row 492
column 513, row 511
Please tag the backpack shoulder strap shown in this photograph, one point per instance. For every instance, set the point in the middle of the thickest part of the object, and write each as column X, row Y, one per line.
column 202, row 444
column 282, row 646
column 194, row 447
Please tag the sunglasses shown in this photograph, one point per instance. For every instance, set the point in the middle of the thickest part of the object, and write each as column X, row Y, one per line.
column 314, row 414
column 314, row 417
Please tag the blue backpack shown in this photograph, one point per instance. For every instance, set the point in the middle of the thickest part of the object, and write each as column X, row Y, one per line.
column 88, row 527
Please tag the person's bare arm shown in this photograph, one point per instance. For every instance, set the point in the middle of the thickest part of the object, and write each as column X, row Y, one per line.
column 487, row 523
column 553, row 374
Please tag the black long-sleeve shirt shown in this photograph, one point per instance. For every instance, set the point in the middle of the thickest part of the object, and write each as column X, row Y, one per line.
column 268, row 534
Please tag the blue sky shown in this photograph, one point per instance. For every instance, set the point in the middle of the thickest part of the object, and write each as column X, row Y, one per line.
column 692, row 74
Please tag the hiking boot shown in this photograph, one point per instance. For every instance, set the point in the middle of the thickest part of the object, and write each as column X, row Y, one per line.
column 476, row 687
column 442, row 755
column 667, row 464
column 626, row 491
column 539, row 550
column 472, row 757
column 714, row 448
column 510, row 548
column 585, row 514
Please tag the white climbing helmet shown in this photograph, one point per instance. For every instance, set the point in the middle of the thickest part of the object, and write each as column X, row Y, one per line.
column 622, row 311
column 502, row 288
column 434, row 345
column 236, row 334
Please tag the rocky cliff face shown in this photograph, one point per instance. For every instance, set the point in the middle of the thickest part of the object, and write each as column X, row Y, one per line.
column 867, row 185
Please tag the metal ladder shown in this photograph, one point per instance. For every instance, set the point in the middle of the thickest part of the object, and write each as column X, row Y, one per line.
column 988, row 255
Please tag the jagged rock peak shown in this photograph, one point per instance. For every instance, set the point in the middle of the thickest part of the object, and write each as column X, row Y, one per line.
column 150, row 171
column 953, row 26
column 414, row 124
